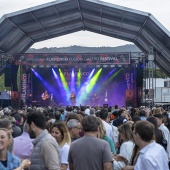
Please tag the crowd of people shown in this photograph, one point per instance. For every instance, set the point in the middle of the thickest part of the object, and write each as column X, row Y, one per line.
column 84, row 138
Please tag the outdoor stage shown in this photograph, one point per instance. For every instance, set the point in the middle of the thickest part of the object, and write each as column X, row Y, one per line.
column 109, row 85
column 114, row 77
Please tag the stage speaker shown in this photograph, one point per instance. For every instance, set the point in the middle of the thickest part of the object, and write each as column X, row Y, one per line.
column 139, row 77
column 7, row 77
column 129, row 95
column 15, row 96
column 130, row 98
column 15, row 99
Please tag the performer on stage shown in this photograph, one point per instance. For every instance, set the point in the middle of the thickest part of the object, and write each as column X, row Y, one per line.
column 29, row 100
column 95, row 99
column 45, row 99
column 73, row 98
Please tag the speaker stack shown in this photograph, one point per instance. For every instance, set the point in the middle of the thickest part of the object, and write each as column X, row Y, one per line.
column 15, row 99
column 7, row 77
column 130, row 98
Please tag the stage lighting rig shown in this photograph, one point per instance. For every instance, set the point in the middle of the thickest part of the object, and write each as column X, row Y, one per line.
column 97, row 66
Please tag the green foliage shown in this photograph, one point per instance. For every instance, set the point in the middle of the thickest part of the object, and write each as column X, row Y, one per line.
column 160, row 74
column 157, row 73
column 2, row 86
column 80, row 49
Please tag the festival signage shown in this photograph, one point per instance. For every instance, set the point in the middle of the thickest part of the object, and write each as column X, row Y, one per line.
column 23, row 84
column 63, row 59
column 129, row 76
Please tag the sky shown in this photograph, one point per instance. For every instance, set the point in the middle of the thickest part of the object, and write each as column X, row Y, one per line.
column 158, row 8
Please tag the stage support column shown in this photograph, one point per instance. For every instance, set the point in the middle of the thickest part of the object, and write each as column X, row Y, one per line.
column 139, row 85
column 7, row 77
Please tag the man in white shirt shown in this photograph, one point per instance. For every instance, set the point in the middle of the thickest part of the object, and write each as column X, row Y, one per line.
column 161, row 126
column 104, row 116
column 87, row 110
column 152, row 156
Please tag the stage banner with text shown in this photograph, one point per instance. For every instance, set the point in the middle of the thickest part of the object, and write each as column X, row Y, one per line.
column 23, row 84
column 63, row 59
column 130, row 78
column 26, row 84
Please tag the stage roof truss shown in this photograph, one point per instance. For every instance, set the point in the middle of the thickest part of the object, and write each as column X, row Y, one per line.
column 21, row 29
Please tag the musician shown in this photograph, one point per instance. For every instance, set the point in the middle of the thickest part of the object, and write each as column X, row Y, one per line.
column 95, row 99
column 45, row 99
column 29, row 100
column 73, row 98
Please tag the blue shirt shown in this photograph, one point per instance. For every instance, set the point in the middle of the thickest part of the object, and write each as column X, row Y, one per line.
column 12, row 162
column 142, row 117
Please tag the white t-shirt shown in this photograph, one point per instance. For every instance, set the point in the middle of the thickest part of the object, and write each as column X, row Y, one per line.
column 64, row 150
column 168, row 147
column 108, row 129
column 126, row 151
column 115, row 134
column 165, row 131
column 87, row 111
